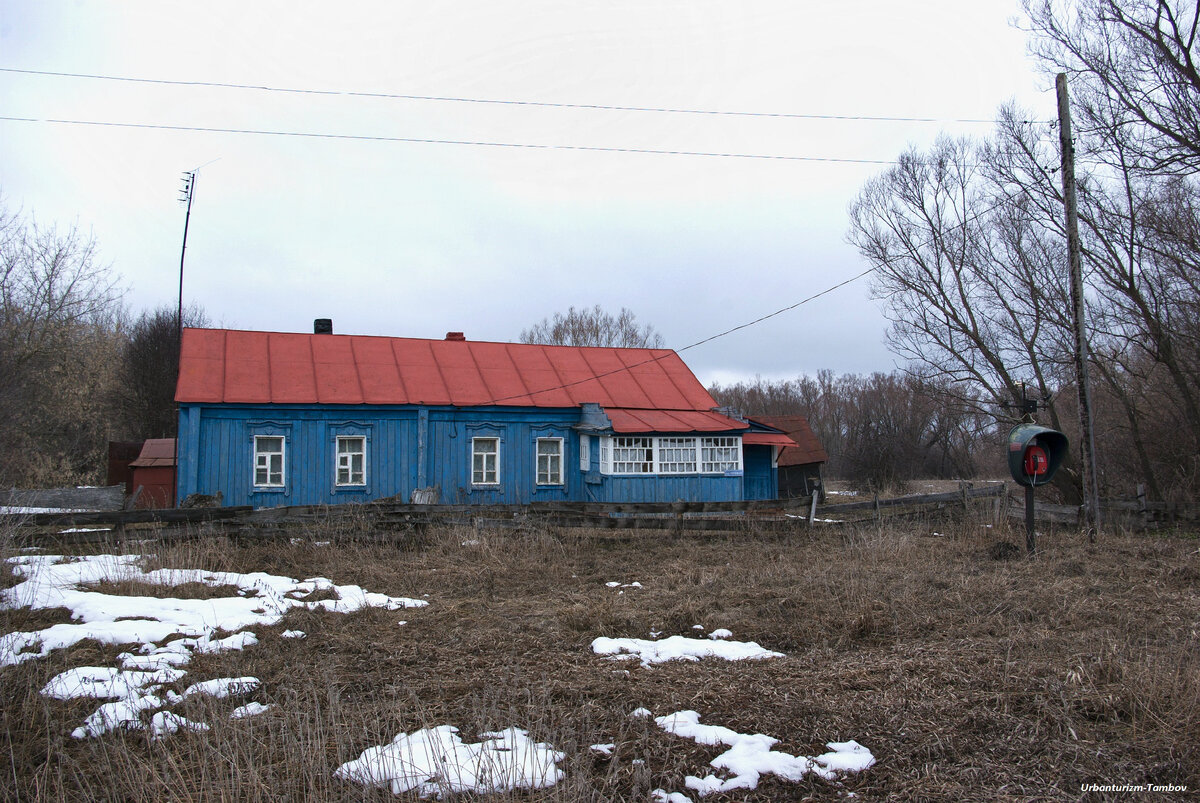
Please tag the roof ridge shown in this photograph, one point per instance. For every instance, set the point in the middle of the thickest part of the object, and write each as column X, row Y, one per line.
column 225, row 330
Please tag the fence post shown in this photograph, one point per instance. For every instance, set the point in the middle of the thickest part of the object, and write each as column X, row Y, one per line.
column 812, row 509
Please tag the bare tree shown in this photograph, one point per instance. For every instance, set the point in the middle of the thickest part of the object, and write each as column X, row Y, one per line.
column 880, row 431
column 593, row 327
column 150, row 370
column 58, row 338
column 966, row 278
column 1142, row 55
column 968, row 243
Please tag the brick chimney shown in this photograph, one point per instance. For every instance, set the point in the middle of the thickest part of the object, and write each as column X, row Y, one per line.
column 455, row 336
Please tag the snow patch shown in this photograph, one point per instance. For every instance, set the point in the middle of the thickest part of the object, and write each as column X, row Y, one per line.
column 435, row 762
column 750, row 756
column 136, row 685
column 679, row 648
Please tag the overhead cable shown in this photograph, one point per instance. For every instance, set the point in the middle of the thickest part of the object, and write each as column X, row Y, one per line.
column 504, row 102
column 436, row 141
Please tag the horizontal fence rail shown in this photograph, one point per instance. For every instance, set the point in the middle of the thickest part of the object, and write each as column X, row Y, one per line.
column 699, row 516
column 1136, row 515
column 111, row 497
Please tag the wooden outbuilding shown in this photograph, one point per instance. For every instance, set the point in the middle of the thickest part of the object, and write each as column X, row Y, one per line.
column 799, row 463
column 154, row 474
column 270, row 419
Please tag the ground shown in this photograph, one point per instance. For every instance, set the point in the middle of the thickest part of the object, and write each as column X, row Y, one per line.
column 969, row 671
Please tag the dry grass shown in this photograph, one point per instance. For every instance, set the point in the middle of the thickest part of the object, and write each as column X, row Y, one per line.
column 969, row 673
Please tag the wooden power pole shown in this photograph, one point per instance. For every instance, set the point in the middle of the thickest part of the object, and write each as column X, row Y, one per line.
column 1091, row 492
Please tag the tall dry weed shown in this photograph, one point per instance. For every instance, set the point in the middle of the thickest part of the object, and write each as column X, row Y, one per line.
column 970, row 674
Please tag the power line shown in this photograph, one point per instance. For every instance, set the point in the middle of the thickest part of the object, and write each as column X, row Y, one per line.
column 778, row 311
column 501, row 102
column 674, row 352
column 434, row 141
column 969, row 219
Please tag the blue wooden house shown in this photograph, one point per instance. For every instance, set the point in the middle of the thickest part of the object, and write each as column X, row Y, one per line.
column 271, row 419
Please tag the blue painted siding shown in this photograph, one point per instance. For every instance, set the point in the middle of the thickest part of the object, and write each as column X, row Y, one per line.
column 675, row 488
column 761, row 479
column 409, row 447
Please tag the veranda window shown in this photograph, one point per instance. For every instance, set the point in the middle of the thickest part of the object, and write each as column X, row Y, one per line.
column 676, row 455
column 720, row 455
column 632, row 455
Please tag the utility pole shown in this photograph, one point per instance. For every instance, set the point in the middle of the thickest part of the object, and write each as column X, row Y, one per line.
column 185, row 196
column 1091, row 491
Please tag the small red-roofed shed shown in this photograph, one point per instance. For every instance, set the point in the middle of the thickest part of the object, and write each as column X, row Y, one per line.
column 154, row 474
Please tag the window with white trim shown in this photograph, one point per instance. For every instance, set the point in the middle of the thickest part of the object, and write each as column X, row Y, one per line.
column 632, row 455
column 720, row 455
column 268, row 461
column 585, row 452
column 670, row 455
column 485, row 461
column 549, row 461
column 351, row 460
column 676, row 455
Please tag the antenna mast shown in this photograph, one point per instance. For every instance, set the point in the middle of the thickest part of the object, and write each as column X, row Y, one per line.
column 185, row 196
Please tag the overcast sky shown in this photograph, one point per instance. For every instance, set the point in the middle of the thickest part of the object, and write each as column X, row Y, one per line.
column 416, row 239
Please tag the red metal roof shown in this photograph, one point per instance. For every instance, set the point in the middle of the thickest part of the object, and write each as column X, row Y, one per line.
column 670, row 421
column 156, row 452
column 767, row 439
column 651, row 389
column 807, row 449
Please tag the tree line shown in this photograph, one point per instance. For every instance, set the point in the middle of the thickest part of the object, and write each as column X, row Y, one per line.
column 77, row 368
column 968, row 243
column 881, row 431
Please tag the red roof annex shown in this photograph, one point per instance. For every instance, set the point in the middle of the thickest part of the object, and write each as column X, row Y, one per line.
column 806, row 447
column 642, row 390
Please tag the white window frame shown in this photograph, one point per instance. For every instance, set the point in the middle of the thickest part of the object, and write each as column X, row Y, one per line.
column 717, row 466
column 265, row 465
column 349, row 464
column 625, row 459
column 553, row 477
column 676, row 444
column 704, row 450
column 483, row 481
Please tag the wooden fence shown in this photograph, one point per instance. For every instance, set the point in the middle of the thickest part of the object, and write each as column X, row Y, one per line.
column 1137, row 514
column 701, row 516
column 105, row 498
